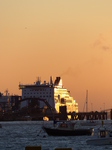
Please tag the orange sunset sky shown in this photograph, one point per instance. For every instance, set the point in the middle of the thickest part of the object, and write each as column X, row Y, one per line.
column 67, row 38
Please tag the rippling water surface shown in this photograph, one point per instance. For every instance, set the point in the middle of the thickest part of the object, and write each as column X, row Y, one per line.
column 17, row 135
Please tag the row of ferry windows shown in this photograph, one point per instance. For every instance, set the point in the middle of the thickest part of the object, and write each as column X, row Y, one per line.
column 38, row 90
column 39, row 93
column 39, row 96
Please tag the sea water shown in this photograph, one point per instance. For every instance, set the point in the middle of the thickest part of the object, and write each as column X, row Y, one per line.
column 18, row 134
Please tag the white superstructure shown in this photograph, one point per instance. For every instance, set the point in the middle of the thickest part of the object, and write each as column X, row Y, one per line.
column 54, row 93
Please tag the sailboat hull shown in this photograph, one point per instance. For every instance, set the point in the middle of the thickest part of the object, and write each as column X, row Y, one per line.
column 67, row 132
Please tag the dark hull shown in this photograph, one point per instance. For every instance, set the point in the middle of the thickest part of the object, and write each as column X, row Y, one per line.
column 61, row 132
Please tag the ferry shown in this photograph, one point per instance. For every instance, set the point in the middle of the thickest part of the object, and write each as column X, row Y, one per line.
column 53, row 92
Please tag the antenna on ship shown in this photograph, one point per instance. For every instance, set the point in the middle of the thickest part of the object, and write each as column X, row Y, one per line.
column 51, row 82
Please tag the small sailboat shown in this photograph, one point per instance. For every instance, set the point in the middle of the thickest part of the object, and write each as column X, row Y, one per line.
column 67, row 128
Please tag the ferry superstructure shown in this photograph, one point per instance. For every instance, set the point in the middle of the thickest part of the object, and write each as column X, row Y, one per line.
column 54, row 93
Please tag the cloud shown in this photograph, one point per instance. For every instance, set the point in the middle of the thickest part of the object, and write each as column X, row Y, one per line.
column 97, row 43
column 102, row 43
column 106, row 48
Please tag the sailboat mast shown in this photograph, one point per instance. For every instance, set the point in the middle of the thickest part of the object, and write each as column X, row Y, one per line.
column 86, row 100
